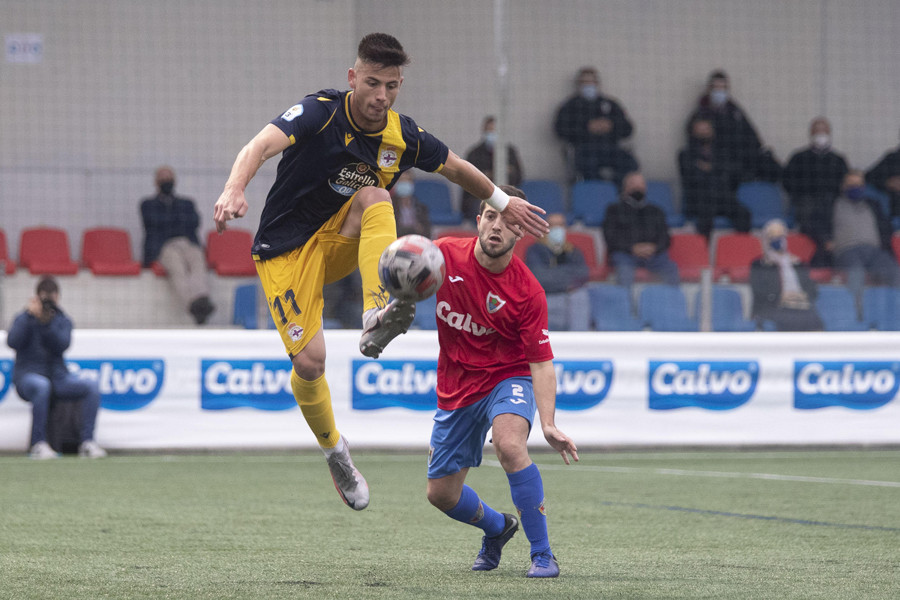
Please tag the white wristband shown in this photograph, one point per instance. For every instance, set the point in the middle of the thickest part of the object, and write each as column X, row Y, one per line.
column 498, row 200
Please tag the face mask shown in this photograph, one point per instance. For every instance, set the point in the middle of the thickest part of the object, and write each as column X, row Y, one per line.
column 167, row 187
column 403, row 189
column 637, row 197
column 778, row 244
column 589, row 91
column 821, row 141
column 557, row 236
column 490, row 138
column 855, row 193
column 718, row 97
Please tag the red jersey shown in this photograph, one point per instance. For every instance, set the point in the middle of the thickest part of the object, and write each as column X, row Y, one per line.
column 490, row 325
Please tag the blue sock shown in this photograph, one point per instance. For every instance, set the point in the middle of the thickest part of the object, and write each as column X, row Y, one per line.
column 527, row 491
column 472, row 511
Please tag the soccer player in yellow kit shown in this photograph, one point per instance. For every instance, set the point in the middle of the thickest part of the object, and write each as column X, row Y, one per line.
column 329, row 211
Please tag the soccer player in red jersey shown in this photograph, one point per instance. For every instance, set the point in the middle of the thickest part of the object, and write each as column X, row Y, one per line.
column 495, row 368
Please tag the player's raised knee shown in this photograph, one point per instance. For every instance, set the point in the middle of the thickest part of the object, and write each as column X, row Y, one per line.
column 370, row 195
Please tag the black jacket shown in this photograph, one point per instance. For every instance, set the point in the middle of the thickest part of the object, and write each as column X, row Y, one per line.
column 627, row 225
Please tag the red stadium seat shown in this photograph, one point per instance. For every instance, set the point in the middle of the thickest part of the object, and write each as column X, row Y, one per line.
column 158, row 269
column 45, row 251
column 7, row 264
column 229, row 252
column 734, row 254
column 107, row 251
column 802, row 246
column 691, row 253
column 895, row 245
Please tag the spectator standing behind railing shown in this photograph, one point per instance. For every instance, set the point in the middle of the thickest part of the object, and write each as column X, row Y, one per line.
column 170, row 238
column 561, row 270
column 39, row 335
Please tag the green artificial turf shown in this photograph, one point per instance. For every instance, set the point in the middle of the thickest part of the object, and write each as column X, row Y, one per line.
column 713, row 524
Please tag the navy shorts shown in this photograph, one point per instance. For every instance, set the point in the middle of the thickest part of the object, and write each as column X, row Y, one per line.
column 457, row 438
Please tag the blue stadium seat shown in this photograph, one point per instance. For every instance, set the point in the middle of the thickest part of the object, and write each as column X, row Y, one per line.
column 836, row 306
column 611, row 309
column 435, row 194
column 660, row 194
column 546, row 193
column 664, row 308
column 881, row 308
column 728, row 311
column 425, row 310
column 245, row 306
column 590, row 199
column 764, row 200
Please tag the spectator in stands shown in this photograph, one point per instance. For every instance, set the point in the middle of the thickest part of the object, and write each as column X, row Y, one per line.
column 885, row 176
column 709, row 181
column 594, row 126
column 482, row 156
column 637, row 235
column 812, row 179
column 783, row 293
column 861, row 238
column 736, row 140
column 39, row 335
column 561, row 270
column 411, row 215
column 170, row 238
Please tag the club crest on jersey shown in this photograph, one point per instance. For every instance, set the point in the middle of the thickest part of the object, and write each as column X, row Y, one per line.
column 295, row 331
column 388, row 157
column 293, row 112
column 494, row 303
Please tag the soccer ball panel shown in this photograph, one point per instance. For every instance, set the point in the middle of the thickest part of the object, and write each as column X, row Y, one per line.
column 412, row 268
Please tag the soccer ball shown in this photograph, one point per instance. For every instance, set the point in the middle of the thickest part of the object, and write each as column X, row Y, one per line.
column 411, row 268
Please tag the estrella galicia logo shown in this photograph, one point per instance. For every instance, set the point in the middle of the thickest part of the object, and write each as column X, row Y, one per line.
column 125, row 384
column 6, row 366
column 262, row 384
column 859, row 385
column 713, row 385
column 400, row 383
column 582, row 384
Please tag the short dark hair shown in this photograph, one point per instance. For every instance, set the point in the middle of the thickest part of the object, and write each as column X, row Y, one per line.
column 510, row 190
column 717, row 74
column 47, row 285
column 382, row 49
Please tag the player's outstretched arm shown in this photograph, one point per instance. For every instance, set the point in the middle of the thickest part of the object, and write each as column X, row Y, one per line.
column 517, row 212
column 232, row 204
column 543, row 377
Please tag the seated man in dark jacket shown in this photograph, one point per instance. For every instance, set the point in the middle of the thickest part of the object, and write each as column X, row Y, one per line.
column 561, row 270
column 40, row 335
column 783, row 293
column 637, row 235
column 170, row 237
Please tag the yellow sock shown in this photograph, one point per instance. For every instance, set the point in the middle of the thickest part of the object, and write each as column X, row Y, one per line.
column 314, row 399
column 378, row 230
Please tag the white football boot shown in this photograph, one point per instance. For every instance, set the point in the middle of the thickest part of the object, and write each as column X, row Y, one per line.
column 381, row 325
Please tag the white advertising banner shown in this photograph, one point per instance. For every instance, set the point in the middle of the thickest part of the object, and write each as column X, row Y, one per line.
column 231, row 389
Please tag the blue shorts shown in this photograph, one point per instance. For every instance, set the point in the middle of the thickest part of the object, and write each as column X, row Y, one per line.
column 457, row 438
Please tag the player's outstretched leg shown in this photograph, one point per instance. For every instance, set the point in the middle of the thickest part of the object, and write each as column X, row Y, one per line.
column 348, row 481
column 381, row 325
column 491, row 547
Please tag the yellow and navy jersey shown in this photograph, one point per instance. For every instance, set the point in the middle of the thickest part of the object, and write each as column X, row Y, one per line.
column 329, row 159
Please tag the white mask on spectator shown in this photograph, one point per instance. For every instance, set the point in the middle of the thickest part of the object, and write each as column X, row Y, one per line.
column 821, row 141
column 402, row 189
column 556, row 236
